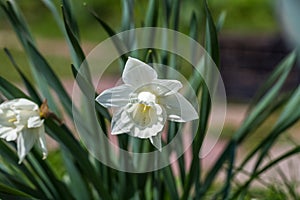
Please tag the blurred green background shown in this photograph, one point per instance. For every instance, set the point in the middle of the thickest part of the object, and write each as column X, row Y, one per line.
column 242, row 17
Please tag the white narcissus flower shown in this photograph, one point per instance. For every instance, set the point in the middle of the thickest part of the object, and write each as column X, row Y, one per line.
column 20, row 120
column 144, row 103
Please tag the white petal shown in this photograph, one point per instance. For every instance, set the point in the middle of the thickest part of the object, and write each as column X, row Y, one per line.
column 121, row 123
column 42, row 141
column 22, row 117
column 137, row 73
column 35, row 122
column 23, row 104
column 156, row 141
column 178, row 108
column 8, row 133
column 165, row 87
column 115, row 97
column 25, row 142
column 7, row 117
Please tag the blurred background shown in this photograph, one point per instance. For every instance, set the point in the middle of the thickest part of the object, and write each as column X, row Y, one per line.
column 251, row 41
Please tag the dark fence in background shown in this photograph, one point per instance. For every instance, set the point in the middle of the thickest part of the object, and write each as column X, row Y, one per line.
column 247, row 61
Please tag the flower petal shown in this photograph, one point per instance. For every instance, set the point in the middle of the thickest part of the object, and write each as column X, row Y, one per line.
column 25, row 142
column 115, row 97
column 166, row 87
column 42, row 141
column 156, row 141
column 8, row 133
column 7, row 117
column 35, row 122
column 121, row 123
column 23, row 104
column 178, row 108
column 137, row 73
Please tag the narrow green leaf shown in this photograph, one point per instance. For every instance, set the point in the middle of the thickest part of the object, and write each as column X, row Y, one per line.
column 119, row 44
column 127, row 15
column 11, row 157
column 32, row 92
column 291, row 115
column 227, row 186
column 221, row 21
column 152, row 14
column 48, row 176
column 75, row 46
column 266, row 101
column 266, row 167
column 260, row 119
column 195, row 79
column 18, row 183
column 175, row 14
column 211, row 37
column 67, row 141
column 283, row 66
column 12, row 191
column 18, row 23
column 10, row 91
column 76, row 179
column 43, row 68
column 69, row 17
column 170, row 182
column 166, row 5
column 212, row 47
column 87, row 89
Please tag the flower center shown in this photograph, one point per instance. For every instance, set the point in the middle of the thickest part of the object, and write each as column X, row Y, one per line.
column 146, row 98
column 142, row 109
column 11, row 120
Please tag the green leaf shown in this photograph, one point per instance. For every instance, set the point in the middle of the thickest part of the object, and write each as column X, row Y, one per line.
column 67, row 142
column 175, row 14
column 267, row 99
column 266, row 167
column 10, row 91
column 119, row 44
column 170, row 182
column 152, row 14
column 78, row 56
column 221, row 21
column 87, row 90
column 289, row 116
column 282, row 67
column 17, row 182
column 23, row 170
column 43, row 68
column 127, row 15
column 69, row 18
column 76, row 179
column 32, row 92
column 19, row 25
column 211, row 37
column 47, row 175
column 12, row 191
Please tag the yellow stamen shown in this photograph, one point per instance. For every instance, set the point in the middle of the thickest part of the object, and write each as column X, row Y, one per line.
column 145, row 108
column 12, row 120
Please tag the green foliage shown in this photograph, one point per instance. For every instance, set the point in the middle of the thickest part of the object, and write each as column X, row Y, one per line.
column 72, row 173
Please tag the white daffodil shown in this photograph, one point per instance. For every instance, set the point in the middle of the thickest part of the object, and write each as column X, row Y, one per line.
column 144, row 103
column 20, row 120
